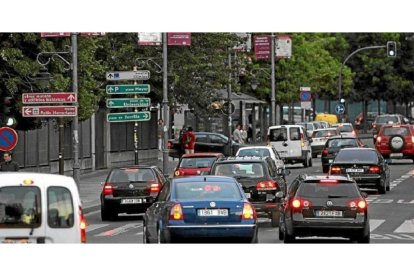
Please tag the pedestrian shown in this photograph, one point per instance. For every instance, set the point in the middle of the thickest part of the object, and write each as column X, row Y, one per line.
column 8, row 165
column 189, row 141
column 243, row 132
column 160, row 133
column 237, row 135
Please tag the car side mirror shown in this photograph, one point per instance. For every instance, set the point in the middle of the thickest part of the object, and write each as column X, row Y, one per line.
column 280, row 195
column 364, row 194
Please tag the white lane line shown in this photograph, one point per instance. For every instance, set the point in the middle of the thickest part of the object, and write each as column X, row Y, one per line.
column 92, row 213
column 93, row 227
column 375, row 223
column 139, row 233
column 119, row 230
column 406, row 227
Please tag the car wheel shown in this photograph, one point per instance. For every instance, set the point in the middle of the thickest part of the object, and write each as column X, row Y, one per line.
column 281, row 235
column 289, row 238
column 381, row 187
column 145, row 235
column 275, row 217
column 255, row 238
column 306, row 161
column 107, row 214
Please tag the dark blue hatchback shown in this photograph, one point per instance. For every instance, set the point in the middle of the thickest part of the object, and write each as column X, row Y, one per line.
column 200, row 208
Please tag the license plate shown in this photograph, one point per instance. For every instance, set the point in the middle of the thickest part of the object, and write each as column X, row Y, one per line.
column 17, row 241
column 330, row 161
column 326, row 213
column 213, row 212
column 248, row 195
column 355, row 170
column 396, row 154
column 131, row 201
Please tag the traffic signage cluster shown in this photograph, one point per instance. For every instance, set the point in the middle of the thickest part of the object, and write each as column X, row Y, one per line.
column 50, row 98
column 50, row 111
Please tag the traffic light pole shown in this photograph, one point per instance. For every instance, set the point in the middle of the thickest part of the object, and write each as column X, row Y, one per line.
column 75, row 122
column 165, row 104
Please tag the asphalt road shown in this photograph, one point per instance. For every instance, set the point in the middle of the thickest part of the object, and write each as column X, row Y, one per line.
column 391, row 215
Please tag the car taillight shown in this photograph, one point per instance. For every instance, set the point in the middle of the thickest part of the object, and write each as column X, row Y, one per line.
column 179, row 172
column 412, row 139
column 374, row 169
column 82, row 225
column 302, row 143
column 248, row 211
column 154, row 187
column 378, row 139
column 266, row 185
column 176, row 212
column 298, row 204
column 325, row 152
column 335, row 170
column 328, row 181
column 359, row 204
column 108, row 189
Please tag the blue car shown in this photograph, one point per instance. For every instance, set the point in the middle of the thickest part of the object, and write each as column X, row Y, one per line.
column 200, row 207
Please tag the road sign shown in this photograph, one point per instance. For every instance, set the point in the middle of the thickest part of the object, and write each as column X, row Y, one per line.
column 225, row 108
column 262, row 47
column 149, row 39
column 128, row 102
column 50, row 111
column 180, row 39
column 340, row 109
column 128, row 89
column 306, row 105
column 51, row 98
column 305, row 96
column 54, row 34
column 8, row 138
column 128, row 75
column 128, row 117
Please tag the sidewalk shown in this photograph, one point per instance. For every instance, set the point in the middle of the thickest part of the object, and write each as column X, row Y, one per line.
column 90, row 185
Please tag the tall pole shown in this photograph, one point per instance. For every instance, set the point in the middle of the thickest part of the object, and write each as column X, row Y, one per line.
column 229, row 105
column 61, row 147
column 136, row 161
column 273, row 97
column 75, row 122
column 165, row 104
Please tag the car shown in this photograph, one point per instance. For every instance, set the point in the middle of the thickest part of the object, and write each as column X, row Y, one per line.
column 366, row 166
column 292, row 144
column 345, row 129
column 205, row 142
column 130, row 190
column 40, row 208
column 324, row 124
column 330, row 118
column 333, row 145
column 310, row 127
column 259, row 180
column 261, row 151
column 396, row 141
column 319, row 138
column 359, row 120
column 387, row 119
column 324, row 206
column 196, row 163
column 200, row 207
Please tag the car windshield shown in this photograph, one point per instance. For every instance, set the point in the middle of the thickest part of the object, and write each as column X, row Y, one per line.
column 356, row 156
column 254, row 170
column 337, row 143
column 132, row 175
column 318, row 190
column 345, row 128
column 260, row 152
column 386, row 119
column 20, row 207
column 207, row 191
column 197, row 162
column 390, row 131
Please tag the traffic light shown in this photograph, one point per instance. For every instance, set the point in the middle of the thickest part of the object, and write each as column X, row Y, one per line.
column 7, row 111
column 391, row 49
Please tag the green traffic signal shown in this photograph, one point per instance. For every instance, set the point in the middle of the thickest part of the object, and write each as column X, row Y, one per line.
column 391, row 49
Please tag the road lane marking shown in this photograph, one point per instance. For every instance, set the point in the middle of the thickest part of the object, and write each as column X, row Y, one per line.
column 139, row 233
column 92, row 213
column 93, row 227
column 119, row 230
column 406, row 227
column 375, row 223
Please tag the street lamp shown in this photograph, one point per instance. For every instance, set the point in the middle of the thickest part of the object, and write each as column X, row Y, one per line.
column 254, row 83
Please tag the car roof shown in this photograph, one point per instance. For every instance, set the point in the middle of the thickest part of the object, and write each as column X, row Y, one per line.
column 39, row 179
column 282, row 126
column 244, row 159
column 135, row 167
column 202, row 154
column 256, row 147
column 396, row 125
column 206, row 178
column 341, row 137
column 326, row 177
column 359, row 149
column 324, row 129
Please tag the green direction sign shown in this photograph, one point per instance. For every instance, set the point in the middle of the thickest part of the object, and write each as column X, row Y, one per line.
column 128, row 117
column 128, row 102
column 128, row 89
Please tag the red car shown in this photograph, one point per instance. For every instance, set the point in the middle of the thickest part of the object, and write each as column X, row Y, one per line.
column 196, row 163
column 396, row 141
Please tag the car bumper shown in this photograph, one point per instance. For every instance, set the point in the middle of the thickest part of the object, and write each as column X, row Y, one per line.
column 363, row 181
column 317, row 149
column 115, row 205
column 265, row 207
column 390, row 154
column 245, row 231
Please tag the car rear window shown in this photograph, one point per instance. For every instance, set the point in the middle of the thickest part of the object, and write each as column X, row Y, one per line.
column 345, row 128
column 294, row 133
column 60, row 213
column 386, row 119
column 261, row 152
column 278, row 134
column 324, row 133
column 318, row 190
column 132, row 174
column 337, row 143
column 356, row 156
column 20, row 207
column 390, row 131
column 198, row 162
column 207, row 191
column 254, row 170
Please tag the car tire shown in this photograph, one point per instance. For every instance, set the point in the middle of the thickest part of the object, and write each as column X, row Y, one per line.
column 145, row 235
column 388, row 187
column 275, row 217
column 381, row 187
column 325, row 169
column 281, row 235
column 107, row 214
column 392, row 141
column 289, row 238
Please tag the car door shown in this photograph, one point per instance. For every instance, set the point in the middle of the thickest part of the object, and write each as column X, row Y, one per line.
column 278, row 137
column 202, row 143
column 294, row 144
column 217, row 143
column 154, row 213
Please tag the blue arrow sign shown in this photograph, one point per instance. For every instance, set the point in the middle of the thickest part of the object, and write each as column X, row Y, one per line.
column 305, row 96
column 340, row 109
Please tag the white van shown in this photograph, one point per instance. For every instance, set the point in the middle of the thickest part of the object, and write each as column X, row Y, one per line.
column 40, row 208
column 292, row 144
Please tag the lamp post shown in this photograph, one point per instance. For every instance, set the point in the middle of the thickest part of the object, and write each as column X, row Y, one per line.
column 75, row 123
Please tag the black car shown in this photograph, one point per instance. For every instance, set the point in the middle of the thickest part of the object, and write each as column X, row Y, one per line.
column 205, row 142
column 259, row 179
column 130, row 190
column 366, row 166
column 327, row 206
column 334, row 145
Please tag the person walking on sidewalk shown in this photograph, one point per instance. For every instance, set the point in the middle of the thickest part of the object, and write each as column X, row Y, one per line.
column 189, row 141
column 237, row 135
column 8, row 165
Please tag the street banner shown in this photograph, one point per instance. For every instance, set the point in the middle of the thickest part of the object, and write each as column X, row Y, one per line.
column 179, row 39
column 262, row 46
column 149, row 39
column 283, row 46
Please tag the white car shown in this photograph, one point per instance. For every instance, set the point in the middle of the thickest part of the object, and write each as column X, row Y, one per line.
column 261, row 151
column 319, row 139
column 292, row 144
column 40, row 208
column 345, row 130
